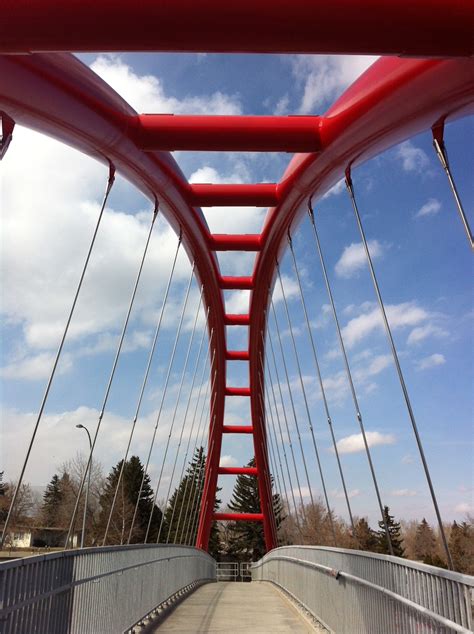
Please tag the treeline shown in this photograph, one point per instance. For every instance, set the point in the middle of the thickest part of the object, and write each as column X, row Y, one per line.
column 154, row 521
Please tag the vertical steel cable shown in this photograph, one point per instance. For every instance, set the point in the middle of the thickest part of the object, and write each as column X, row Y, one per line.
column 200, row 443
column 276, row 480
column 285, row 418
column 197, row 436
column 290, row 393
column 349, row 375
column 193, row 419
column 142, row 391
column 277, row 456
column 443, row 158
column 321, row 384
column 281, row 440
column 403, row 386
column 112, row 374
column 308, row 414
column 110, row 182
column 200, row 489
column 165, row 389
column 178, row 398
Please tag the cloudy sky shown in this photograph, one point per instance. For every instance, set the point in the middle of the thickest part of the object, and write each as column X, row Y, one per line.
column 50, row 197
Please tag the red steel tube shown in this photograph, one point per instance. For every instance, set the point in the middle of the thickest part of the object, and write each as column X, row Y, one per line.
column 237, row 391
column 238, row 471
column 236, row 320
column 249, row 195
column 441, row 28
column 234, row 242
column 237, row 429
column 238, row 517
column 236, row 283
column 237, row 355
column 226, row 133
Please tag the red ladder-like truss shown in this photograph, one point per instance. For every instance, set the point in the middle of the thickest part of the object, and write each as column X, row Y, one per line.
column 394, row 100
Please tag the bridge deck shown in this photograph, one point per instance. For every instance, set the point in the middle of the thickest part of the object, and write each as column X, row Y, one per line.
column 256, row 607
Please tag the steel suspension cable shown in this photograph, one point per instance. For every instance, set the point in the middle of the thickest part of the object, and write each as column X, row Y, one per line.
column 272, row 454
column 440, row 149
column 308, row 414
column 199, row 492
column 186, row 453
column 276, row 453
column 200, row 443
column 349, row 376
column 321, row 384
column 110, row 182
column 263, row 394
column 401, row 378
column 285, row 419
column 276, row 480
column 293, row 407
column 112, row 373
column 142, row 390
column 208, row 384
column 178, row 398
column 163, row 396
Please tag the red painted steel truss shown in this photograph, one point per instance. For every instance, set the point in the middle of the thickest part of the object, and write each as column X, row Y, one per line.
column 395, row 99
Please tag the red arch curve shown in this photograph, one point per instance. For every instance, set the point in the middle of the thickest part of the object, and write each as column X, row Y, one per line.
column 393, row 100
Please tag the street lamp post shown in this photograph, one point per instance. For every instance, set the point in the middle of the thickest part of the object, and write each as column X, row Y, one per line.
column 88, row 485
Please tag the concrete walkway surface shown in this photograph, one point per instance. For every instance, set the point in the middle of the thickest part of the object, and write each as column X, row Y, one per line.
column 231, row 607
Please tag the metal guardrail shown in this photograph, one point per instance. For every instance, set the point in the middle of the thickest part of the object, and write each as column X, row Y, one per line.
column 233, row 571
column 352, row 592
column 95, row 590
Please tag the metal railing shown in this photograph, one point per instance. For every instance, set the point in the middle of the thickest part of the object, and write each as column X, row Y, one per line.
column 95, row 590
column 353, row 592
column 233, row 571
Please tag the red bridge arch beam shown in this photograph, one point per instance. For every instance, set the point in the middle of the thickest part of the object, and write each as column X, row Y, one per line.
column 393, row 27
column 392, row 101
column 57, row 95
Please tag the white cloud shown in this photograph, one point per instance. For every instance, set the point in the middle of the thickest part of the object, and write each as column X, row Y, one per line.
column 336, row 189
column 413, row 159
column 373, row 367
column 464, row 508
column 145, row 93
column 339, row 494
column 404, row 493
column 422, row 332
column 408, row 459
column 355, row 442
column 325, row 77
column 228, row 461
column 35, row 367
column 354, row 258
column 399, row 316
column 430, row 208
column 431, row 362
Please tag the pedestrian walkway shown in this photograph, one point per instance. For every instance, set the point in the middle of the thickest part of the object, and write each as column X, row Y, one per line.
column 231, row 608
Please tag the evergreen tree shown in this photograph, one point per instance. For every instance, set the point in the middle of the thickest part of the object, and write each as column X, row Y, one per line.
column 125, row 505
column 366, row 538
column 52, row 500
column 394, row 530
column 425, row 543
column 181, row 516
column 246, row 539
column 461, row 545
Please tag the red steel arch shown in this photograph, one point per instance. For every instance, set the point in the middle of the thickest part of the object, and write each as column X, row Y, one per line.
column 393, row 100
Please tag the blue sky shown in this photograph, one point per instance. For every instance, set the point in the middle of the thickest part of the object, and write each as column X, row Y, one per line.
column 50, row 196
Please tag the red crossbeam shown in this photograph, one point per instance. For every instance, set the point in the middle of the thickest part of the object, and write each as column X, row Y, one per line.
column 226, row 133
column 237, row 320
column 234, row 242
column 237, row 391
column 392, row 27
column 236, row 283
column 238, row 471
column 237, row 429
column 238, row 517
column 248, row 195
column 237, row 355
